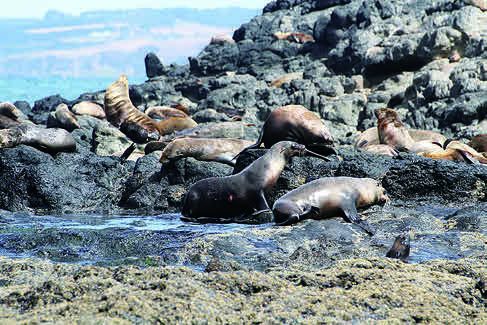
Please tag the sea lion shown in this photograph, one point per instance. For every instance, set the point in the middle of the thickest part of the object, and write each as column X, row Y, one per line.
column 51, row 140
column 371, row 137
column 174, row 124
column 63, row 118
column 295, row 123
column 229, row 198
column 11, row 111
column 123, row 114
column 90, row 109
column 164, row 112
column 288, row 77
column 329, row 196
column 8, row 122
column 219, row 150
column 222, row 39
column 300, row 38
column 456, row 151
column 381, row 149
column 393, row 133
column 401, row 247
column 234, row 130
column 479, row 143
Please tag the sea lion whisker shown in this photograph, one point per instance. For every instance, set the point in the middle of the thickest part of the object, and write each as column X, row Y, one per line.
column 314, row 154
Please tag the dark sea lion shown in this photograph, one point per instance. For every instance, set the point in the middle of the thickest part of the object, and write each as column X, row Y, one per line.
column 219, row 150
column 479, row 143
column 120, row 112
column 394, row 133
column 231, row 198
column 328, row 197
column 63, row 118
column 90, row 109
column 401, row 247
column 295, row 123
column 456, row 151
column 50, row 140
column 164, row 112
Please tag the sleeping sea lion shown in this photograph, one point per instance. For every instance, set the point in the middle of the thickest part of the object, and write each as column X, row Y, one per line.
column 51, row 140
column 456, row 151
column 371, row 137
column 328, row 197
column 90, row 109
column 63, row 118
column 236, row 197
column 219, row 150
column 164, row 112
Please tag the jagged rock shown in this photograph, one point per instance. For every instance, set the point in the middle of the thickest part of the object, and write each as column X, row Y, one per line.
column 153, row 66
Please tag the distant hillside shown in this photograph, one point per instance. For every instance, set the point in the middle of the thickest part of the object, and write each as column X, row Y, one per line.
column 105, row 43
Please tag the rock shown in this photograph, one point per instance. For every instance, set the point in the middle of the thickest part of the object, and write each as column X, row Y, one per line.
column 216, row 58
column 153, row 66
column 23, row 106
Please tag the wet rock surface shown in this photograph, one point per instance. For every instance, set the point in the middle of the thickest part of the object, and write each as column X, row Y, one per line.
column 427, row 60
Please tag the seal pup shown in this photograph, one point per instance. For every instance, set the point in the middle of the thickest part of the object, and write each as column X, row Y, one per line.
column 164, row 112
column 295, row 123
column 401, row 247
column 392, row 132
column 230, row 198
column 51, row 140
column 63, row 118
column 328, row 197
column 219, row 150
column 90, row 109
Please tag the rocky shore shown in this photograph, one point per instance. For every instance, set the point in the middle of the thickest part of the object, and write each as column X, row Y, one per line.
column 427, row 60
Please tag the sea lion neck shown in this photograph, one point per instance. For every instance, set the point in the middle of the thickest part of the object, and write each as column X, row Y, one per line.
column 273, row 163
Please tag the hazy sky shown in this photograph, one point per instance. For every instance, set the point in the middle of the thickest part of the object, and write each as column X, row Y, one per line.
column 37, row 8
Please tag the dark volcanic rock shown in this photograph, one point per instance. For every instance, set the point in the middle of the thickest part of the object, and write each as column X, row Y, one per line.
column 153, row 66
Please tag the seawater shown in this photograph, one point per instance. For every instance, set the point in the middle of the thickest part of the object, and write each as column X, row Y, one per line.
column 35, row 88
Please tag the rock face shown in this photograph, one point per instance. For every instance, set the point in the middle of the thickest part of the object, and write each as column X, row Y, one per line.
column 153, row 66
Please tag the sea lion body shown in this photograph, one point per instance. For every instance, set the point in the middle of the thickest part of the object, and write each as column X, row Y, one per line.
column 120, row 111
column 288, row 77
column 51, row 140
column 90, row 109
column 381, row 149
column 219, row 150
column 371, row 137
column 328, row 197
column 10, row 110
column 236, row 196
column 63, row 118
column 164, row 112
column 456, row 151
column 174, row 124
column 296, row 37
column 8, row 122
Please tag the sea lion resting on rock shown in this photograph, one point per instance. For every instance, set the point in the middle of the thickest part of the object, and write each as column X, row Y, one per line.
column 90, row 109
column 456, row 151
column 300, row 38
column 327, row 197
column 51, row 140
column 232, row 198
column 371, row 137
column 164, row 112
column 63, row 118
column 295, row 123
column 10, row 116
column 479, row 143
column 136, row 125
column 219, row 150
column 235, row 130
column 392, row 132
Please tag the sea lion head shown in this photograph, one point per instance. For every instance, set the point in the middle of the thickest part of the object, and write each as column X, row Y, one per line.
column 138, row 133
column 387, row 115
column 372, row 192
column 289, row 148
column 284, row 210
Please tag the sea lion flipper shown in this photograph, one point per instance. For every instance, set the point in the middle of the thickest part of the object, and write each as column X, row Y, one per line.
column 351, row 215
column 126, row 154
column 261, row 204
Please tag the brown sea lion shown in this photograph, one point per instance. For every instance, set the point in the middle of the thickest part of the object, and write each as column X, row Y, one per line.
column 222, row 39
column 231, row 198
column 164, row 112
column 90, row 109
column 393, row 133
column 479, row 143
column 288, row 77
column 295, row 123
column 371, row 137
column 401, row 247
column 381, row 149
column 328, row 197
column 51, row 140
column 63, row 118
column 8, row 122
column 120, row 111
column 10, row 110
column 219, row 150
column 174, row 124
column 457, row 151
column 300, row 38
